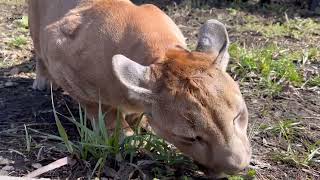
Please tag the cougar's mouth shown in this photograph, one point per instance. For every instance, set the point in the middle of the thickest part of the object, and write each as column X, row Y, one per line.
column 211, row 174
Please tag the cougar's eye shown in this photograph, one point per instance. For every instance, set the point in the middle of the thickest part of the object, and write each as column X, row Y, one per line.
column 193, row 139
column 198, row 138
column 237, row 117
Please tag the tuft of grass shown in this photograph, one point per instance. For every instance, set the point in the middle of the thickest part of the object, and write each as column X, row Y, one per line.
column 18, row 42
column 289, row 130
column 95, row 144
column 286, row 129
column 313, row 154
column 309, row 157
column 314, row 81
column 271, row 67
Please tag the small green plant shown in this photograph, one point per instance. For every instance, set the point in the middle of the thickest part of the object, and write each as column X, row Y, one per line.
column 18, row 42
column 251, row 173
column 287, row 129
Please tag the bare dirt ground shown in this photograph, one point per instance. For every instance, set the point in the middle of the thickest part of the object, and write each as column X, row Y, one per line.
column 21, row 106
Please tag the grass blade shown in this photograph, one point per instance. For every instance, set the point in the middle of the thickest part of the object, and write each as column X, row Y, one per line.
column 61, row 130
column 96, row 167
column 28, row 139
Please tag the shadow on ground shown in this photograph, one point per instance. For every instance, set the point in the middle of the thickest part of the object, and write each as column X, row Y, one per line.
column 21, row 105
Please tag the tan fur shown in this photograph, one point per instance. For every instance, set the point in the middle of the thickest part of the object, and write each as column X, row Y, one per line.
column 197, row 102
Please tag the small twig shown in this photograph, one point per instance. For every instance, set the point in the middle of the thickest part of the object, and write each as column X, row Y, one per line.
column 20, row 153
column 140, row 171
column 9, row 130
column 21, row 127
column 286, row 17
column 310, row 172
column 318, row 118
column 54, row 165
column 39, row 153
column 20, row 178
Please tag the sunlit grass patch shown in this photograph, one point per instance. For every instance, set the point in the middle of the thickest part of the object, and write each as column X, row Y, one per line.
column 18, row 42
column 295, row 28
column 272, row 67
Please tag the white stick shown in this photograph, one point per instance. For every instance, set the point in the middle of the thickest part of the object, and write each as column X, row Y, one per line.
column 54, row 165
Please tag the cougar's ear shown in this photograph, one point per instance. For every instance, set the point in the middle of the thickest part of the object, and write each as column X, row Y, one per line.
column 214, row 40
column 132, row 76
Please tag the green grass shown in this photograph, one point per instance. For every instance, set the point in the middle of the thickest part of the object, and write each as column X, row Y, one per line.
column 313, row 54
column 18, row 42
column 95, row 144
column 272, row 67
column 295, row 28
column 314, row 81
column 291, row 131
column 308, row 157
column 287, row 129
